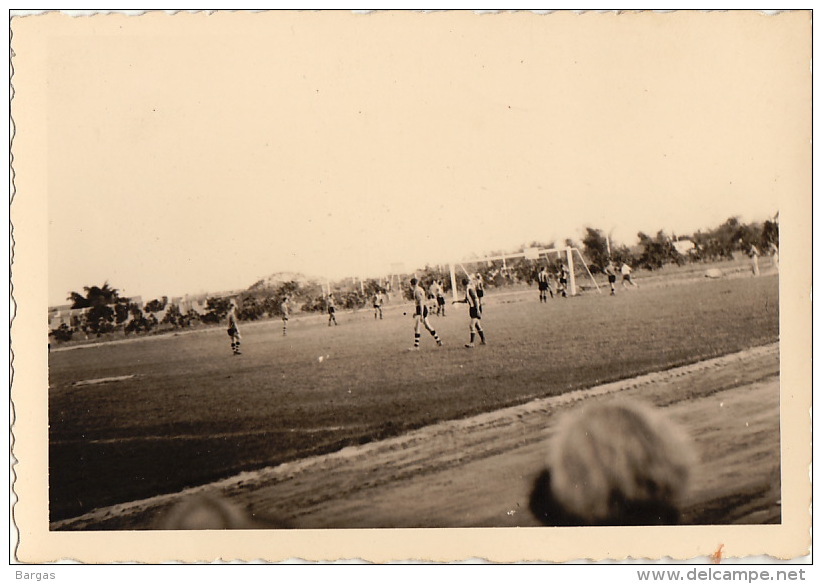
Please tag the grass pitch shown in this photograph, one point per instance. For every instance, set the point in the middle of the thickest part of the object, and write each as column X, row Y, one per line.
column 193, row 412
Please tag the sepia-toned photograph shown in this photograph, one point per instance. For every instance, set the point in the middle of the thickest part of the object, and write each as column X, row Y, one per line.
column 539, row 279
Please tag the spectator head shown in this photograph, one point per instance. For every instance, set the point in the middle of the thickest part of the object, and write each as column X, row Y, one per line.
column 618, row 463
column 207, row 511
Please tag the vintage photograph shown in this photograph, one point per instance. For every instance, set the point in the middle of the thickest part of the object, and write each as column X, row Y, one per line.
column 398, row 270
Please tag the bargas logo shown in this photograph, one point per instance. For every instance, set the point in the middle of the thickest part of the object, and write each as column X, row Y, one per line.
column 20, row 575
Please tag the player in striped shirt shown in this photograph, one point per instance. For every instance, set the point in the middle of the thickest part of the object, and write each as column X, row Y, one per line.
column 421, row 316
column 474, row 311
column 233, row 329
column 544, row 283
column 563, row 280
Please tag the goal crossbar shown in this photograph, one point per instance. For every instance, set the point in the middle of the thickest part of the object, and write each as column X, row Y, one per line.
column 569, row 257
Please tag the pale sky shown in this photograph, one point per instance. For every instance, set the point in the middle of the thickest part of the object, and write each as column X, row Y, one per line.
column 204, row 153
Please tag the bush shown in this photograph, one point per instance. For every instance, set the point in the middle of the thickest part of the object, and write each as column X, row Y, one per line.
column 314, row 304
column 63, row 333
column 217, row 309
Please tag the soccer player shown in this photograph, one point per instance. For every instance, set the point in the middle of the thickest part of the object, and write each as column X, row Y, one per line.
column 775, row 252
column 435, row 293
column 610, row 271
column 332, row 317
column 480, row 287
column 563, row 280
column 754, row 254
column 233, row 329
column 440, row 299
column 626, row 276
column 421, row 316
column 378, row 300
column 543, row 280
column 285, row 308
column 432, row 297
column 474, row 311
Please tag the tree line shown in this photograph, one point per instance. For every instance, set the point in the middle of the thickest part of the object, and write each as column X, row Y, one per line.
column 106, row 311
column 653, row 252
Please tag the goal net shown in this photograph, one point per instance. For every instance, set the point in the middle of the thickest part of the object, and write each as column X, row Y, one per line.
column 566, row 266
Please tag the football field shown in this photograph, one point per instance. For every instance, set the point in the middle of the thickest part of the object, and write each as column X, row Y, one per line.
column 136, row 419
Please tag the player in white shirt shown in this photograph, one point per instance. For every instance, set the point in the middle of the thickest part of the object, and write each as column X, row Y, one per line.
column 626, row 276
column 377, row 301
column 753, row 252
column 435, row 293
column 421, row 315
column 440, row 299
column 233, row 329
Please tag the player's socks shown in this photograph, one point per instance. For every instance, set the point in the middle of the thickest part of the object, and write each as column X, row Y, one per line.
column 482, row 336
column 416, row 340
column 436, row 338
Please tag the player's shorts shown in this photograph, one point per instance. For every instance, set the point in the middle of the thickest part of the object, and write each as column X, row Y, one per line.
column 480, row 293
column 441, row 300
column 233, row 332
column 376, row 306
column 474, row 312
column 285, row 317
column 330, row 310
column 422, row 311
column 611, row 279
column 543, row 286
column 563, row 281
column 626, row 277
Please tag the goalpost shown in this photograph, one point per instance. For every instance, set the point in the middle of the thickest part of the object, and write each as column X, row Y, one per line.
column 533, row 254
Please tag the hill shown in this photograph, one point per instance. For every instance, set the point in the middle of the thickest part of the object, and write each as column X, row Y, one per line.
column 277, row 279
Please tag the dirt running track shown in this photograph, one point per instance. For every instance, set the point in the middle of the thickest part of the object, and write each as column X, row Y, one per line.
column 477, row 472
